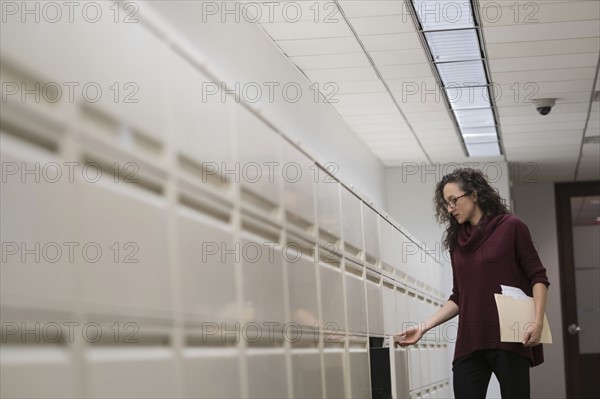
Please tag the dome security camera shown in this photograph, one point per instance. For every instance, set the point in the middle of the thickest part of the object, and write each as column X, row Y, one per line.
column 544, row 105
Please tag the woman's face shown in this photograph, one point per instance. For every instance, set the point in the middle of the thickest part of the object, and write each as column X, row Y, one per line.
column 462, row 207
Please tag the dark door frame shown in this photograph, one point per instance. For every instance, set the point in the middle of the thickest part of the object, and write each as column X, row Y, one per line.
column 563, row 194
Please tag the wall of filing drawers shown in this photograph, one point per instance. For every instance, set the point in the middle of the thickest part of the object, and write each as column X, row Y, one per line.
column 164, row 265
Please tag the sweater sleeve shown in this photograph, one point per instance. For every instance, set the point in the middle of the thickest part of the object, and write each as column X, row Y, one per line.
column 455, row 295
column 528, row 257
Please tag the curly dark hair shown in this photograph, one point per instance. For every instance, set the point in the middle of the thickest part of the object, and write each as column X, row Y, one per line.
column 470, row 181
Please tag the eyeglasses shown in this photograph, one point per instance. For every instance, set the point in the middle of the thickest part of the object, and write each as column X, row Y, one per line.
column 452, row 202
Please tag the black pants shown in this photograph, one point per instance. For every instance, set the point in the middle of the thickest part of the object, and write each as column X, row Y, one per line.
column 472, row 374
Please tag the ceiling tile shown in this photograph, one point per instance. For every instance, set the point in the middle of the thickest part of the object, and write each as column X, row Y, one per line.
column 377, row 109
column 436, row 133
column 382, row 25
column 527, row 93
column 361, row 86
column 356, row 121
column 547, row 142
column 306, row 30
column 418, row 106
column 410, row 71
column 535, row 118
column 448, row 142
column 450, row 158
column 541, row 31
column 542, row 134
column 429, row 101
column 544, row 75
column 373, row 8
column 396, row 134
column 427, row 116
column 502, row 13
column 537, row 149
column 423, row 87
column 398, row 57
column 543, row 47
column 287, row 11
column 544, row 62
column 527, row 109
column 385, row 128
column 561, row 98
column 362, row 99
column 433, row 124
column 341, row 74
column 395, row 41
column 381, row 128
column 414, row 106
column 327, row 61
column 398, row 152
column 336, row 45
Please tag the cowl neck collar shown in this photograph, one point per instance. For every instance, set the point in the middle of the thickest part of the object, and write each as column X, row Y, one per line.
column 471, row 237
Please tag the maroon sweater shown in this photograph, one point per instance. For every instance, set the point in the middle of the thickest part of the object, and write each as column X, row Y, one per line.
column 498, row 250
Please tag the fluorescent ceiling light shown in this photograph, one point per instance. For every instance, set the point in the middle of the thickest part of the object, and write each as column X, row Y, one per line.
column 483, row 150
column 448, row 28
column 468, row 97
column 444, row 14
column 480, row 135
column 484, row 138
column 459, row 45
column 478, row 131
column 474, row 117
column 465, row 73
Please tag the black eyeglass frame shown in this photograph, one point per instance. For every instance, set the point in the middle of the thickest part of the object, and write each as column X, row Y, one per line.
column 452, row 202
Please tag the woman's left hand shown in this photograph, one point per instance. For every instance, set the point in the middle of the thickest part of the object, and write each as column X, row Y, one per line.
column 533, row 335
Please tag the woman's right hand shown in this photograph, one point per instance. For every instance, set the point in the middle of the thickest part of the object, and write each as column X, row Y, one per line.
column 409, row 336
column 412, row 335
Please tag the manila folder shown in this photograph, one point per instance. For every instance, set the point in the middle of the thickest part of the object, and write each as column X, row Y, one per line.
column 515, row 316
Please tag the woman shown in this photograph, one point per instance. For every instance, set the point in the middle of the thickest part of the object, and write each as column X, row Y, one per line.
column 488, row 247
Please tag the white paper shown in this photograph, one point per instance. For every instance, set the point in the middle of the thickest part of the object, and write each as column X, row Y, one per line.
column 513, row 292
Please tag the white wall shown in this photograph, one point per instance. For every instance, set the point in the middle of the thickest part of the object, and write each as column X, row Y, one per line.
column 535, row 205
column 242, row 52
